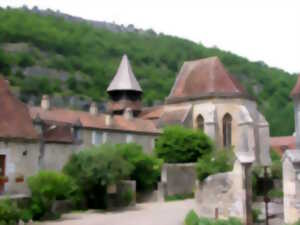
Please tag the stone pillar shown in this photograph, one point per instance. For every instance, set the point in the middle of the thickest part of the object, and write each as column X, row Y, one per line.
column 246, row 160
column 291, row 186
column 210, row 129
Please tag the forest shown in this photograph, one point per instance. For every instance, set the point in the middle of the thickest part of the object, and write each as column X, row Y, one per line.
column 90, row 57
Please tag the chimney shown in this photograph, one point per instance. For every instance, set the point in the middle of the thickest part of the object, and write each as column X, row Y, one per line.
column 93, row 109
column 128, row 113
column 108, row 120
column 45, row 103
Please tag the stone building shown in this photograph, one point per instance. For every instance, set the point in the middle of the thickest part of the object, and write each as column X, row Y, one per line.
column 205, row 96
column 291, row 168
column 35, row 138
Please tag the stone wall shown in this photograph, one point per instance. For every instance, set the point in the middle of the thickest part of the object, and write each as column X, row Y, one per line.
column 229, row 194
column 21, row 161
column 291, row 186
column 177, row 179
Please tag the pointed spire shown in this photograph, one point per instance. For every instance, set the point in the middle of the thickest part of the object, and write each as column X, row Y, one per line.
column 124, row 80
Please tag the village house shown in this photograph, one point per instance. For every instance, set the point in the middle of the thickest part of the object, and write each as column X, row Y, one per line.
column 205, row 96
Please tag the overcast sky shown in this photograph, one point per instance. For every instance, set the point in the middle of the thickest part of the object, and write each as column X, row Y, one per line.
column 266, row 30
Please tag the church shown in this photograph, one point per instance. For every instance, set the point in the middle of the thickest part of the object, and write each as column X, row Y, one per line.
column 204, row 96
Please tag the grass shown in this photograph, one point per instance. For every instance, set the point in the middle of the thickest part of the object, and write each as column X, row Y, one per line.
column 179, row 197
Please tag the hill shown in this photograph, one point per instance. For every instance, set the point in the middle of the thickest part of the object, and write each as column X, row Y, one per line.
column 51, row 54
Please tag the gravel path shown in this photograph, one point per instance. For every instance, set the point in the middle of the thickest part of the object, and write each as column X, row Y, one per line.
column 163, row 213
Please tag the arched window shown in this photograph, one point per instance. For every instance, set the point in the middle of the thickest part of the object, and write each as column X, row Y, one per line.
column 200, row 122
column 227, row 121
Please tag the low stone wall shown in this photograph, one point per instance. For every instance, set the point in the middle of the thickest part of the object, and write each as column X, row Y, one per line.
column 123, row 194
column 291, row 186
column 225, row 195
column 177, row 179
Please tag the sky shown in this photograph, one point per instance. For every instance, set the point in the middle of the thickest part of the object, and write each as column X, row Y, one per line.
column 260, row 30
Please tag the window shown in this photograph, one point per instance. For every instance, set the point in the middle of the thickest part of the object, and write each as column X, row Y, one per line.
column 76, row 133
column 96, row 138
column 200, row 122
column 227, row 121
column 129, row 138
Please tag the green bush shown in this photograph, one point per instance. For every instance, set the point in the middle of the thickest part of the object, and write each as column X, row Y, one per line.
column 216, row 162
column 255, row 215
column 276, row 167
column 193, row 219
column 96, row 168
column 275, row 193
column 146, row 168
column 46, row 187
column 126, row 197
column 180, row 145
column 9, row 212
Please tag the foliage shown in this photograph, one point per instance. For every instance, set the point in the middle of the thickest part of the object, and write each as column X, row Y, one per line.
column 216, row 162
column 179, row 197
column 275, row 193
column 146, row 168
column 255, row 215
column 127, row 197
column 97, row 55
column 276, row 167
column 193, row 219
column 46, row 187
column 96, row 168
column 180, row 145
column 297, row 223
column 9, row 212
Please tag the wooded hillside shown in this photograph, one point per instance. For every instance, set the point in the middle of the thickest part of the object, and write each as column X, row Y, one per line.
column 47, row 54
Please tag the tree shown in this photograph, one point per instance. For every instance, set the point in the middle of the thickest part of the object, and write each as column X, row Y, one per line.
column 180, row 145
column 94, row 170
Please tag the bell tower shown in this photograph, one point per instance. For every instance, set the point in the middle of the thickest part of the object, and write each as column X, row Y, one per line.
column 124, row 91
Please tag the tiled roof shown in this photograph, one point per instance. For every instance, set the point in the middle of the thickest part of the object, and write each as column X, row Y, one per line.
column 15, row 121
column 296, row 89
column 204, row 78
column 174, row 116
column 124, row 78
column 152, row 113
column 281, row 144
column 58, row 134
column 86, row 120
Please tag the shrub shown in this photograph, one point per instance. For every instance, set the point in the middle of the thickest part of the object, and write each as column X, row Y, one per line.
column 146, row 168
column 46, row 187
column 216, row 162
column 180, row 145
column 193, row 219
column 9, row 212
column 276, row 167
column 255, row 215
column 96, row 168
column 275, row 193
column 126, row 197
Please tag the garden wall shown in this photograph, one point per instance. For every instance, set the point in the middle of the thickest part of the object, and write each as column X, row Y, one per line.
column 226, row 194
column 177, row 179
